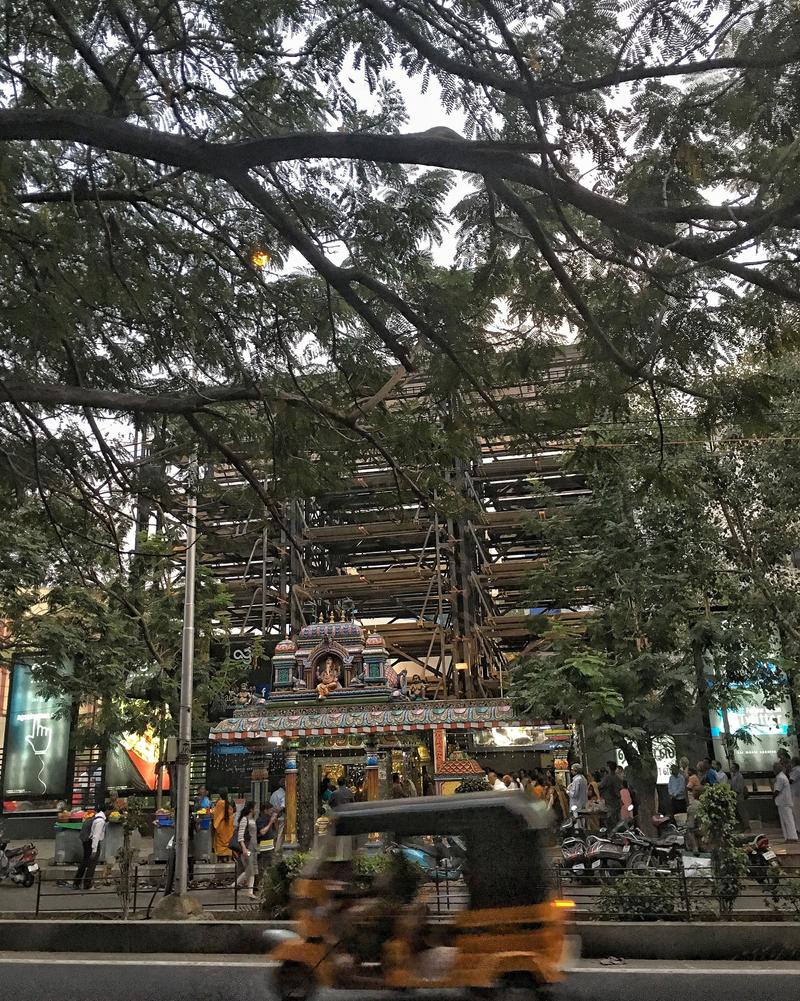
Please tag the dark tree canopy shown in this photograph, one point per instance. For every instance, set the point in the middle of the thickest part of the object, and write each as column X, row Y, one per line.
column 221, row 223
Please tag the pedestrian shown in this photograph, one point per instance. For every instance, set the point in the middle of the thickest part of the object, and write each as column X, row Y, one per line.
column 577, row 790
column 739, row 787
column 594, row 801
column 610, row 790
column 398, row 792
column 265, row 835
column 247, row 840
column 409, row 788
column 676, row 787
column 495, row 782
column 706, row 774
column 692, row 783
column 360, row 795
column 782, row 793
column 278, row 803
column 342, row 794
column 92, row 847
column 326, row 790
column 201, row 800
column 692, row 826
column 537, row 786
column 719, row 771
column 794, row 782
column 222, row 823
column 627, row 809
column 508, row 782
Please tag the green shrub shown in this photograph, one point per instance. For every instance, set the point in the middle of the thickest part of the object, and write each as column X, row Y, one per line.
column 475, row 784
column 641, row 896
column 718, row 820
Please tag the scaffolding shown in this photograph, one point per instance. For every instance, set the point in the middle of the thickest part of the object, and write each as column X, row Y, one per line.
column 449, row 595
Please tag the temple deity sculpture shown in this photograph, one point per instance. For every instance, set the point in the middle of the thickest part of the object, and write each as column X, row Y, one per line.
column 328, row 675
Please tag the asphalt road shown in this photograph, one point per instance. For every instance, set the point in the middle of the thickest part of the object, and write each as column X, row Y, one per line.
column 40, row 977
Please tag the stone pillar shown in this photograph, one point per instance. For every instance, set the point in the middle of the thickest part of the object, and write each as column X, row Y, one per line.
column 290, row 833
column 439, row 756
column 372, row 773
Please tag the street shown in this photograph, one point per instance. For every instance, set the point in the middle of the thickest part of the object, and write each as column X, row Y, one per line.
column 96, row 977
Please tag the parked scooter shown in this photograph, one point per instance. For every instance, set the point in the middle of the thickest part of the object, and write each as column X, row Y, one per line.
column 593, row 854
column 762, row 862
column 19, row 864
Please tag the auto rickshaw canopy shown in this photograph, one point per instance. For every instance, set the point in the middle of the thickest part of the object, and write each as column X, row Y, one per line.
column 506, row 865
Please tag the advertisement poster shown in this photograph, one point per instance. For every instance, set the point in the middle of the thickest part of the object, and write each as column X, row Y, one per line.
column 663, row 752
column 132, row 763
column 760, row 731
column 37, row 743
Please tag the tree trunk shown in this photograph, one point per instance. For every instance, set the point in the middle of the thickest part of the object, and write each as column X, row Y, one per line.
column 703, row 701
column 641, row 775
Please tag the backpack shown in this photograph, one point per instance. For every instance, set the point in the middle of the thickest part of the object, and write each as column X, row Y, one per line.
column 86, row 830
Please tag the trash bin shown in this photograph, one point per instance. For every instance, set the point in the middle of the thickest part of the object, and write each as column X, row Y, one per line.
column 68, row 848
column 161, row 838
column 112, row 842
column 202, row 845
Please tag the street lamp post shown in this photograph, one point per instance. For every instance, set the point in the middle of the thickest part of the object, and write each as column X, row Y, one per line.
column 182, row 770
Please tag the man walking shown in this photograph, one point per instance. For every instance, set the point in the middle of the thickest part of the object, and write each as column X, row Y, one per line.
column 782, row 793
column 676, row 787
column 341, row 795
column 91, row 850
column 577, row 790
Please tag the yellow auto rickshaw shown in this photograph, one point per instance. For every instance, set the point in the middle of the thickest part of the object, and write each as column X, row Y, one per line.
column 480, row 915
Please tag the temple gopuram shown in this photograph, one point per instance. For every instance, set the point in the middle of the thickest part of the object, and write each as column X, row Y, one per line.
column 337, row 707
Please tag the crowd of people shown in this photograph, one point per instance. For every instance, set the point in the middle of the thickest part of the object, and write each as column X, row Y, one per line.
column 608, row 794
column 250, row 838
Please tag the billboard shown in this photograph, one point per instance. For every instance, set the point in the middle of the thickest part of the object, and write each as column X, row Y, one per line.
column 132, row 762
column 761, row 732
column 37, row 743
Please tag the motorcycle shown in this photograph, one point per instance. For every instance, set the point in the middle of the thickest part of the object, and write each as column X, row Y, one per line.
column 762, row 862
column 19, row 864
column 442, row 862
column 663, row 852
column 585, row 853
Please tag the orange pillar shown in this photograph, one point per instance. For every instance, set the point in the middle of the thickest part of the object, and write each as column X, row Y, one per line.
column 371, row 774
column 290, row 834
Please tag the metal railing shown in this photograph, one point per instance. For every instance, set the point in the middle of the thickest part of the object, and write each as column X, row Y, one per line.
column 675, row 895
column 57, row 893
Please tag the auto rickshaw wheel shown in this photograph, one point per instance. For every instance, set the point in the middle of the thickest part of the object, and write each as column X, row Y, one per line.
column 522, row 986
column 294, row 982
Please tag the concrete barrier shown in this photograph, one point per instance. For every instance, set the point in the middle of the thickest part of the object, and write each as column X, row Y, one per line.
column 706, row 940
column 76, row 936
column 631, row 940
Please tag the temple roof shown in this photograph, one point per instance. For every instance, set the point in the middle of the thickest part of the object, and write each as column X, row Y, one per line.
column 466, row 714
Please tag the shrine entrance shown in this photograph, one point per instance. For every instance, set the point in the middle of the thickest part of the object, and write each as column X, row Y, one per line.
column 352, row 768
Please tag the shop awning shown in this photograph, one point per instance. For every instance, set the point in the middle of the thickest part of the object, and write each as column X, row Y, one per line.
column 472, row 714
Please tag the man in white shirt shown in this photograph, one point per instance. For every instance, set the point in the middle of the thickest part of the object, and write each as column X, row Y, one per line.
column 495, row 782
column 783, row 800
column 578, row 790
column 278, row 802
column 86, row 869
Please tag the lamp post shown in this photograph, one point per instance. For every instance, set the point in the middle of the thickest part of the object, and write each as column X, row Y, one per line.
column 178, row 904
column 183, row 764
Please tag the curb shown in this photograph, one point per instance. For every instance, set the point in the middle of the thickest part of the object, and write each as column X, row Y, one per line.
column 668, row 941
